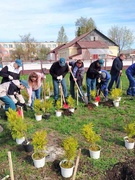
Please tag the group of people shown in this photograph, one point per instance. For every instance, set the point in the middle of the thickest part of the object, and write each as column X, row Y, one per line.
column 96, row 78
column 11, row 86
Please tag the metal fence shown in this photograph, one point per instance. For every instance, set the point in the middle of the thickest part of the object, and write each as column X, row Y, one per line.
column 37, row 66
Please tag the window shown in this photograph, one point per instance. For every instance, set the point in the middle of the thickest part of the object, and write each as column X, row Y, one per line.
column 10, row 46
column 5, row 45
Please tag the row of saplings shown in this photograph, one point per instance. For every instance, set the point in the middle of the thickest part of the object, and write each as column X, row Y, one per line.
column 19, row 128
column 43, row 108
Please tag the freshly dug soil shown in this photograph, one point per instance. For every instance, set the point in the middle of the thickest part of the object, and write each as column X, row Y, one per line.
column 108, row 103
column 90, row 106
column 122, row 171
column 66, row 112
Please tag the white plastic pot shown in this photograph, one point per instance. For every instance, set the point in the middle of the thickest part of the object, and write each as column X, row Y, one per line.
column 72, row 110
column 38, row 117
column 66, row 172
column 38, row 163
column 95, row 154
column 116, row 103
column 96, row 103
column 20, row 140
column 128, row 145
column 58, row 113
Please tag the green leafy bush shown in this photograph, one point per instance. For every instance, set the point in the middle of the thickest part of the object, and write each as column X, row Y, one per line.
column 70, row 145
column 58, row 105
column 38, row 106
column 16, row 124
column 71, row 102
column 90, row 136
column 130, row 130
column 47, row 105
column 39, row 142
column 116, row 93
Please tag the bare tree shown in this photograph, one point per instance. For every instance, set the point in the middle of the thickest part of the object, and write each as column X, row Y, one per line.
column 84, row 25
column 18, row 53
column 29, row 46
column 62, row 37
column 122, row 36
column 42, row 53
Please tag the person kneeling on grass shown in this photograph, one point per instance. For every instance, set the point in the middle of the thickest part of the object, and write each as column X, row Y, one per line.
column 10, row 94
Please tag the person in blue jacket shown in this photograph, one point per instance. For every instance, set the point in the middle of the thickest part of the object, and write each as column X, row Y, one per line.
column 102, row 83
column 130, row 72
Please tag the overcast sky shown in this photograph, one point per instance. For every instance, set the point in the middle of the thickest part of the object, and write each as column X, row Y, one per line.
column 44, row 18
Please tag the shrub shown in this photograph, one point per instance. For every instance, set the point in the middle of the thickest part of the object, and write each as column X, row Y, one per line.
column 70, row 145
column 90, row 136
column 115, row 93
column 16, row 124
column 39, row 142
column 37, row 106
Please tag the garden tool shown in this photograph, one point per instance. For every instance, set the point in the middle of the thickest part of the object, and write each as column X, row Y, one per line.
column 82, row 96
column 43, row 85
column 65, row 105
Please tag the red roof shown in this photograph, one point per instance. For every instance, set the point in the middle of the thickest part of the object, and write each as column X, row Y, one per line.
column 92, row 44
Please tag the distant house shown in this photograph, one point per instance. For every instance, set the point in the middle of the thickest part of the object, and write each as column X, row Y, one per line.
column 90, row 45
column 129, row 53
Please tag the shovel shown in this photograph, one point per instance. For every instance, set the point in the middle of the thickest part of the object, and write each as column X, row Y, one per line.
column 82, row 96
column 65, row 105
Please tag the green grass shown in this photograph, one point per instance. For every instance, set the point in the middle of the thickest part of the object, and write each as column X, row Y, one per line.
column 108, row 122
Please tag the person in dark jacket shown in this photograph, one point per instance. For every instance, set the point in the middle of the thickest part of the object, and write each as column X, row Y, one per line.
column 58, row 71
column 92, row 73
column 78, row 71
column 11, row 71
column 102, row 83
column 10, row 94
column 130, row 72
column 116, row 71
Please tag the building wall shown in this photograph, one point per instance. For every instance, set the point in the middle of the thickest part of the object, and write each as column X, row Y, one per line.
column 6, row 47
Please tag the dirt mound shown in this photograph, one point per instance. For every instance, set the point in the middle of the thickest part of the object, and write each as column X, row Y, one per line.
column 122, row 171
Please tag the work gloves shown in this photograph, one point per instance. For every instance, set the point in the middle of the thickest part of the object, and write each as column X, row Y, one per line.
column 60, row 78
column 22, row 105
column 10, row 77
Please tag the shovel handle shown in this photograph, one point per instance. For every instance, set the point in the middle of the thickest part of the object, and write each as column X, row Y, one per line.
column 76, row 165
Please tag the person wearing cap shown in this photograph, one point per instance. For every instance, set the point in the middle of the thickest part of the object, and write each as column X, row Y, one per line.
column 35, row 80
column 102, row 83
column 130, row 73
column 78, row 70
column 11, row 71
column 10, row 94
column 116, row 71
column 58, row 71
column 92, row 74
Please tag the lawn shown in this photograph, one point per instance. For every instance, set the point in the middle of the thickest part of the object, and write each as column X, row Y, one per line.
column 108, row 122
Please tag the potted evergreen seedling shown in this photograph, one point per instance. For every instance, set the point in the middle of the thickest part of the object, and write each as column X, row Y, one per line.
column 38, row 109
column 92, row 138
column 58, row 108
column 71, row 104
column 17, row 126
column 129, row 140
column 46, row 107
column 70, row 145
column 116, row 96
column 39, row 142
